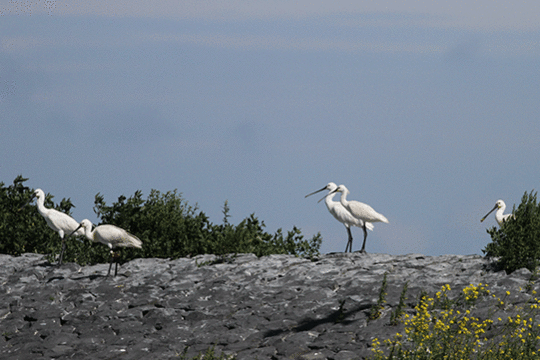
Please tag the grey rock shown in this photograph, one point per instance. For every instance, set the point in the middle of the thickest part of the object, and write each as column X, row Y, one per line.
column 274, row 307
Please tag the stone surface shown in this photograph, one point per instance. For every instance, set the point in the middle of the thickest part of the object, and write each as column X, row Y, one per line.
column 274, row 307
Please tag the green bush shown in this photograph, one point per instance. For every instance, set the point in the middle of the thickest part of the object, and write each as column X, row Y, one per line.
column 517, row 242
column 22, row 228
column 170, row 228
column 167, row 225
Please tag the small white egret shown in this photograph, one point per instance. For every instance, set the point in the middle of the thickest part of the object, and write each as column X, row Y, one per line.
column 340, row 213
column 500, row 206
column 58, row 221
column 360, row 211
column 112, row 236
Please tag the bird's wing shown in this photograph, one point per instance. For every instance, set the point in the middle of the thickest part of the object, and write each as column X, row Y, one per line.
column 117, row 237
column 58, row 220
column 365, row 212
column 343, row 215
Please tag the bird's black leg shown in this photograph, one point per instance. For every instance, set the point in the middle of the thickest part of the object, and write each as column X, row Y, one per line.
column 110, row 265
column 365, row 237
column 349, row 241
column 116, row 268
column 62, row 252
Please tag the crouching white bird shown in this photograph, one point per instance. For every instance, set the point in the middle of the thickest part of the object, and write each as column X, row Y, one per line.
column 500, row 206
column 112, row 236
column 360, row 211
column 340, row 213
column 58, row 221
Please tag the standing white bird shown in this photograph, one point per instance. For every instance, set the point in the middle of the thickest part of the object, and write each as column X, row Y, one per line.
column 340, row 213
column 360, row 211
column 112, row 236
column 499, row 216
column 58, row 221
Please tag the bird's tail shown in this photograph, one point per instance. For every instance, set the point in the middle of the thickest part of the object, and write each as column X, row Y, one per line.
column 138, row 243
column 134, row 242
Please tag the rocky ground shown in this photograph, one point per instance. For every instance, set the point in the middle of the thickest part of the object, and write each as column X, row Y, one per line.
column 274, row 307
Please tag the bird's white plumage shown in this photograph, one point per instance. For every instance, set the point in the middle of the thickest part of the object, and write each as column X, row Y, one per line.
column 359, row 210
column 60, row 222
column 340, row 213
column 110, row 235
column 337, row 210
column 500, row 206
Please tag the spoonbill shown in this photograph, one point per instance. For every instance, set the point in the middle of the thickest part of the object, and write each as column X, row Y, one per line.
column 500, row 206
column 112, row 236
column 360, row 211
column 58, row 221
column 340, row 213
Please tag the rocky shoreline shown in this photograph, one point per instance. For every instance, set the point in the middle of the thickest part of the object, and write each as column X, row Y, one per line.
column 274, row 307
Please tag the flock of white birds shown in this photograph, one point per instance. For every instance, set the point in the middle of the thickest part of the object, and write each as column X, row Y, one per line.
column 349, row 213
column 63, row 224
column 355, row 213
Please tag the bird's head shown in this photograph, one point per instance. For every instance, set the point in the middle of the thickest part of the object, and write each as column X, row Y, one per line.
column 498, row 205
column 341, row 189
column 330, row 186
column 39, row 194
column 86, row 224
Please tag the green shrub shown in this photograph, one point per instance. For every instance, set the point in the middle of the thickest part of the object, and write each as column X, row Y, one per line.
column 517, row 242
column 167, row 225
column 22, row 228
column 170, row 228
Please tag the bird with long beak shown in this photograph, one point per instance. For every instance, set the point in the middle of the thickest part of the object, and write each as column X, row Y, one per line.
column 360, row 211
column 340, row 213
column 500, row 206
column 110, row 235
column 58, row 221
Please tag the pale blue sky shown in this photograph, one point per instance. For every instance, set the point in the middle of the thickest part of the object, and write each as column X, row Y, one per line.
column 426, row 110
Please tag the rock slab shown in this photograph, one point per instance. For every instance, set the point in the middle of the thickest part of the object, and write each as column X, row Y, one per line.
column 274, row 307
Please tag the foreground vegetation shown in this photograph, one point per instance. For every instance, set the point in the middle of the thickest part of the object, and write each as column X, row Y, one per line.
column 516, row 243
column 167, row 225
column 468, row 323
column 474, row 324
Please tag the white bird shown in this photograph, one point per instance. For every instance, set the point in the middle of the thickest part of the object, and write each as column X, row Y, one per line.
column 499, row 216
column 58, row 221
column 112, row 236
column 360, row 211
column 340, row 213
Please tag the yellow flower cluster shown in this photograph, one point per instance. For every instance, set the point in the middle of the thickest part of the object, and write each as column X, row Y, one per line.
column 472, row 292
column 446, row 329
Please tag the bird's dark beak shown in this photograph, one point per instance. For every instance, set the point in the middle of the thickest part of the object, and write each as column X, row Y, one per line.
column 74, row 231
column 494, row 208
column 331, row 192
column 324, row 188
column 28, row 202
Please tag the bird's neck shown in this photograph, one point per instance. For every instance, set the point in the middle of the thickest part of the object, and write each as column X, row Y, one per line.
column 88, row 233
column 329, row 200
column 40, row 203
column 343, row 198
column 499, row 215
